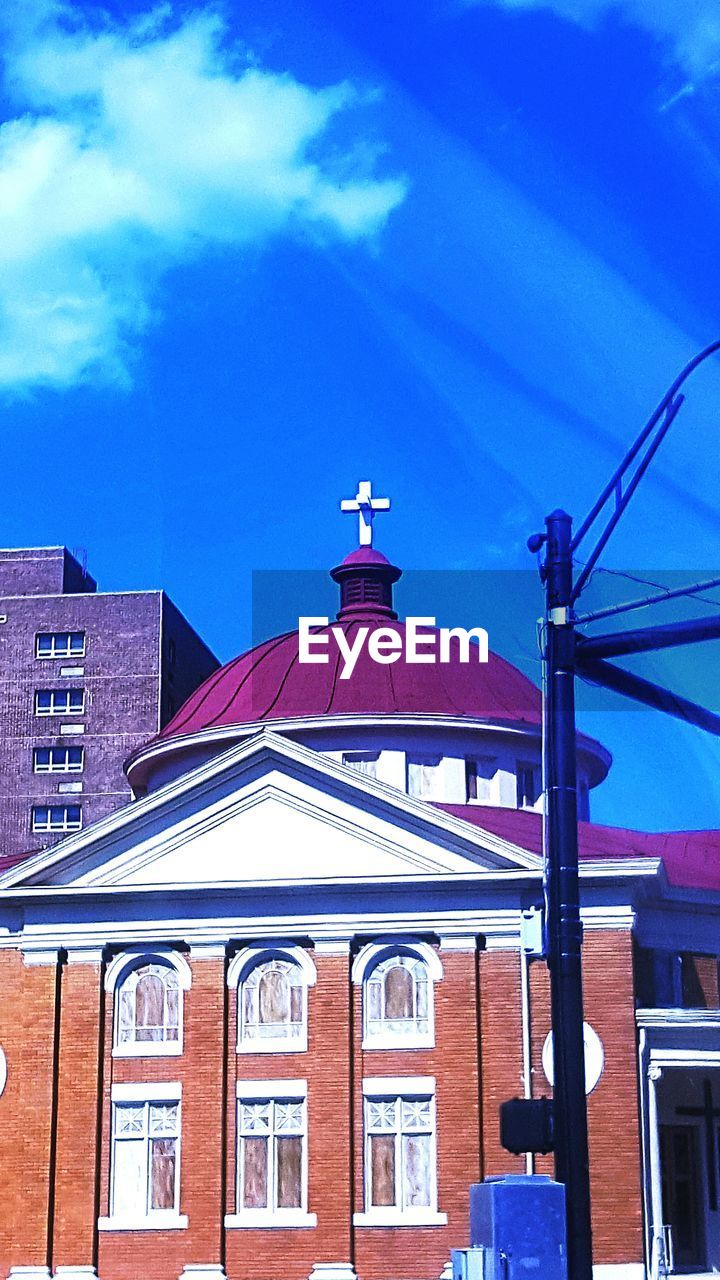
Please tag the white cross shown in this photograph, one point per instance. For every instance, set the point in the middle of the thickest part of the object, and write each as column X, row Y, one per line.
column 366, row 506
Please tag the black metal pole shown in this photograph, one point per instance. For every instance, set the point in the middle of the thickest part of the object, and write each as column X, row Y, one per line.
column 562, row 890
column 669, row 635
column 609, row 676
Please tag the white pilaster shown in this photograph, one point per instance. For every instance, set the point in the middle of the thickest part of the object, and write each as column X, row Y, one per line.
column 658, row 1261
column 30, row 1273
column 75, row 1273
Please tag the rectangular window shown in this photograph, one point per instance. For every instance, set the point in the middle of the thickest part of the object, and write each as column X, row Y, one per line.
column 145, row 1167
column 364, row 761
column 479, row 779
column 59, row 702
column 60, row 644
column 528, row 785
column 400, row 1174
column 272, row 1156
column 424, row 777
column 58, row 760
column 56, row 817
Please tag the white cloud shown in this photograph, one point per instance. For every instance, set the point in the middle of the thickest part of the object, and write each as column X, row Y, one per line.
column 688, row 29
column 142, row 146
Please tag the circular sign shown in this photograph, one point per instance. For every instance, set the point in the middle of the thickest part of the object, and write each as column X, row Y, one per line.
column 594, row 1058
column 3, row 1071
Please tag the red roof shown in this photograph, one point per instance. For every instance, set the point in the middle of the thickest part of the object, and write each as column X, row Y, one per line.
column 691, row 858
column 269, row 683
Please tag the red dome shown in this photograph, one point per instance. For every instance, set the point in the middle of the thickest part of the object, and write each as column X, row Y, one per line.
column 269, row 683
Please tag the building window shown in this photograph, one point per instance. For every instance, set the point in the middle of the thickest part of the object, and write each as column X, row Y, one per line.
column 145, row 1165
column 58, row 760
column 60, row 644
column 397, row 1003
column 676, row 979
column 479, row 779
column 400, row 1152
column 363, row 761
column 272, row 984
column 272, row 1153
column 59, row 702
column 148, row 1001
column 273, row 1005
column 424, row 777
column 528, row 785
column 56, row 817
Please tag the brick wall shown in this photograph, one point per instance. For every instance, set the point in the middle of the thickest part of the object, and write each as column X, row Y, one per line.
column 55, row 1138
column 125, row 674
column 27, row 1034
column 613, row 1119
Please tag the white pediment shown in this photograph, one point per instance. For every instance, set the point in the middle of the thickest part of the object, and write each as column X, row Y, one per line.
column 271, row 811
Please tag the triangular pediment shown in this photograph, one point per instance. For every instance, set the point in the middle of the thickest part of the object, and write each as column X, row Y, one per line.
column 271, row 811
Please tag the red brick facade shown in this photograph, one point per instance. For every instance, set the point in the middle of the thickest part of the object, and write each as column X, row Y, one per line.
column 56, row 1025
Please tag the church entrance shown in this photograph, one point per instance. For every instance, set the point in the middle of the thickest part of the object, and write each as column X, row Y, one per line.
column 682, row 1196
column 688, row 1146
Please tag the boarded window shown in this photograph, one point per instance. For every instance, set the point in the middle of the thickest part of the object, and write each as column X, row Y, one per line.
column 148, row 1006
column 144, row 1159
column 274, row 996
column 272, row 1001
column 480, row 775
column 399, row 992
column 382, row 1157
column 424, row 777
column 400, row 1157
column 271, row 1160
column 397, row 999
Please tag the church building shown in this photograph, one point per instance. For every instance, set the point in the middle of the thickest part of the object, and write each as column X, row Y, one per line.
column 258, row 1023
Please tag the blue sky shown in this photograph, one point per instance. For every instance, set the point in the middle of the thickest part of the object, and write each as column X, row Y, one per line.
column 251, row 254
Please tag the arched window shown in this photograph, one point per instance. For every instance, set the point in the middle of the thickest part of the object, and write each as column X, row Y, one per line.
column 148, row 1002
column 397, row 977
column 272, row 1003
column 397, row 999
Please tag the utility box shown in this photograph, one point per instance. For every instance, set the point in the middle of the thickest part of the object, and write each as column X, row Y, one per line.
column 518, row 1223
column 469, row 1264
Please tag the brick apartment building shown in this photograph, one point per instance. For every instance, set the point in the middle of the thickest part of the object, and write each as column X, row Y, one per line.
column 85, row 678
column 257, row 1025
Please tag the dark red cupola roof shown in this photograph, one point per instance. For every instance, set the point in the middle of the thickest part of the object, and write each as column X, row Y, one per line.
column 269, row 683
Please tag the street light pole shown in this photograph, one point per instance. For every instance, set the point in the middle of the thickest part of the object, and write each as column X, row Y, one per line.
column 562, row 892
column 565, row 656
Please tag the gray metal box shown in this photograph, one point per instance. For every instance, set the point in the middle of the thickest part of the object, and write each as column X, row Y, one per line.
column 519, row 1220
column 469, row 1264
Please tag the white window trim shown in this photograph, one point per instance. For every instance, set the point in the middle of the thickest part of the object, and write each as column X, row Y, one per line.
column 58, row 711
column 268, row 1091
column 373, row 954
column 162, row 1220
column 375, row 951
column 157, row 1219
column 154, row 1092
column 60, row 653
column 239, row 968
column 48, row 828
column 67, row 767
column 271, row 1089
column 270, row 1218
column 393, row 1215
column 386, row 1086
column 494, row 788
column 118, row 969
